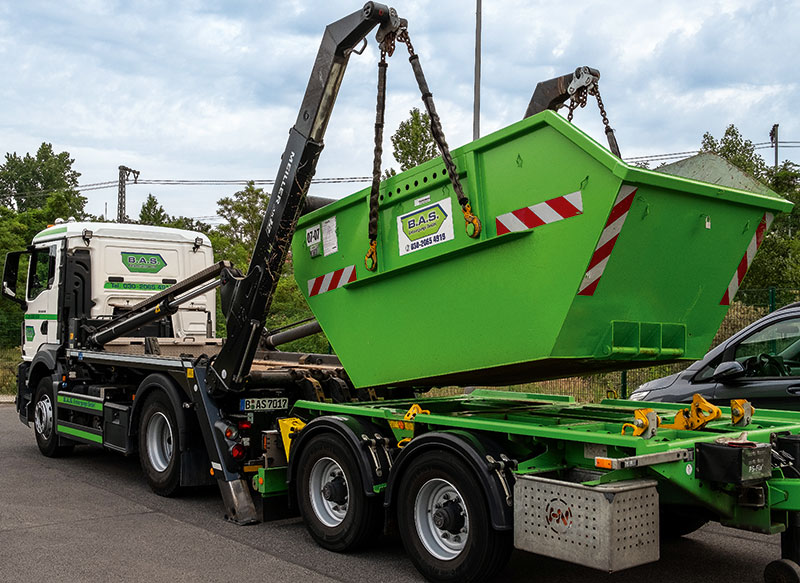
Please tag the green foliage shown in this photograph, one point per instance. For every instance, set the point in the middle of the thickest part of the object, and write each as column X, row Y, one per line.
column 413, row 142
column 152, row 213
column 777, row 263
column 34, row 191
column 736, row 150
column 25, row 182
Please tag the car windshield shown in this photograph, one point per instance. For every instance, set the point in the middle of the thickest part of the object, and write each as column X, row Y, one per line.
column 778, row 338
column 773, row 350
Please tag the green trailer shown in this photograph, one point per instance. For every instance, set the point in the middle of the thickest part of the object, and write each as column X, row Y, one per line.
column 471, row 477
column 583, row 264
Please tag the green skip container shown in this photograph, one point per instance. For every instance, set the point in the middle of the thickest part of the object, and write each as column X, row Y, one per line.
column 584, row 264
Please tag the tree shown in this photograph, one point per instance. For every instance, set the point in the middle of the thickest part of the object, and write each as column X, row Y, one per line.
column 413, row 142
column 777, row 263
column 34, row 191
column 152, row 213
column 25, row 182
column 736, row 150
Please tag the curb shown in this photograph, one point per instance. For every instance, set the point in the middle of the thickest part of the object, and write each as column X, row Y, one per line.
column 6, row 399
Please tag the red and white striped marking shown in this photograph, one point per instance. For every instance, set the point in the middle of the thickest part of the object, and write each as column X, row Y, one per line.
column 332, row 280
column 608, row 238
column 744, row 264
column 543, row 213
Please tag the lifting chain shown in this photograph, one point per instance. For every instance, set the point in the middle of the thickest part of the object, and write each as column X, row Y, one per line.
column 472, row 222
column 579, row 98
column 371, row 258
column 438, row 136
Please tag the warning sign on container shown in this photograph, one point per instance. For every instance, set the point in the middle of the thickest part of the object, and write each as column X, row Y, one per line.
column 425, row 227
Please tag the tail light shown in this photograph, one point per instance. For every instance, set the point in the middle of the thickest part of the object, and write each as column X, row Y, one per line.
column 238, row 452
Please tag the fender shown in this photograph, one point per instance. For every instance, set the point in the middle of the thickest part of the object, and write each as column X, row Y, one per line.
column 353, row 432
column 44, row 363
column 473, row 451
column 154, row 382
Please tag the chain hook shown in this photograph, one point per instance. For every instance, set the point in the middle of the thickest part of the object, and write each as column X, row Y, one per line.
column 471, row 219
column 371, row 258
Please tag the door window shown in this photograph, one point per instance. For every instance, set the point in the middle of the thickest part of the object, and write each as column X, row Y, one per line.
column 41, row 271
column 772, row 351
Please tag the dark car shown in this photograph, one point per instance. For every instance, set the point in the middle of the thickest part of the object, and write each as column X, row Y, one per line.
column 760, row 363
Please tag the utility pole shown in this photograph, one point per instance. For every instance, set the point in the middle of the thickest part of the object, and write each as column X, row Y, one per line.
column 773, row 137
column 476, row 101
column 124, row 175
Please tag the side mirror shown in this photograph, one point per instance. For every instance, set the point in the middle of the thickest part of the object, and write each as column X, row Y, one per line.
column 728, row 371
column 10, row 272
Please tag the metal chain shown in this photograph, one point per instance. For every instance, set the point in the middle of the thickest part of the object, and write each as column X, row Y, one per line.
column 612, row 140
column 579, row 99
column 438, row 137
column 371, row 257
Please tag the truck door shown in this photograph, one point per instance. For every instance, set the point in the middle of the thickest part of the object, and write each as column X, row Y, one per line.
column 41, row 316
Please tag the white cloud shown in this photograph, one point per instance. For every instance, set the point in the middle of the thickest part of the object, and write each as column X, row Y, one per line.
column 210, row 90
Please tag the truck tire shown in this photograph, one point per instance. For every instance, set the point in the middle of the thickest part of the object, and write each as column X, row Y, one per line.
column 44, row 421
column 159, row 447
column 444, row 522
column 338, row 514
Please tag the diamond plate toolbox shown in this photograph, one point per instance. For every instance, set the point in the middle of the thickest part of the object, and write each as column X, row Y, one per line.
column 608, row 527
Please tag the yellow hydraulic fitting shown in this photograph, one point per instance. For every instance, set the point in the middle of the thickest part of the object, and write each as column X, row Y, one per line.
column 696, row 416
column 645, row 423
column 414, row 411
column 741, row 412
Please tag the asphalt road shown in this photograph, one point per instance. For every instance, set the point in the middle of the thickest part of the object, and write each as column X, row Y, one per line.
column 91, row 517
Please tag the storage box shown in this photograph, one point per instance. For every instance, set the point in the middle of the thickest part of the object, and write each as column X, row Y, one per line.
column 608, row 527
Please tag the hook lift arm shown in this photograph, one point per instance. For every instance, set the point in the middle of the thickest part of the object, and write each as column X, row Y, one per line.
column 246, row 300
column 576, row 86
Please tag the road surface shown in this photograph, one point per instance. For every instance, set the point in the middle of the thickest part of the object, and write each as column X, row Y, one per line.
column 92, row 517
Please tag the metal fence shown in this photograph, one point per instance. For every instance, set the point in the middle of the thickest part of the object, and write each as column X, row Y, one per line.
column 750, row 306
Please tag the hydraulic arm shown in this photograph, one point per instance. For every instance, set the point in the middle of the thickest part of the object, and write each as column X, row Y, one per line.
column 247, row 299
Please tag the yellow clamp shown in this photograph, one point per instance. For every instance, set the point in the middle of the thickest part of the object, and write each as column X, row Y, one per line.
column 645, row 423
column 741, row 412
column 414, row 411
column 696, row 416
column 371, row 258
column 471, row 220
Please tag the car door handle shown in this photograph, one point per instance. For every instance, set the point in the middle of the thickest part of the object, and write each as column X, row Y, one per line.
column 794, row 390
column 43, row 327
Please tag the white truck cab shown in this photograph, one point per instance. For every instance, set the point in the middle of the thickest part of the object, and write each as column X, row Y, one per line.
column 121, row 265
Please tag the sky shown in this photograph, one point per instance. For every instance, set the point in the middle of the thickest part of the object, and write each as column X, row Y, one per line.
column 200, row 90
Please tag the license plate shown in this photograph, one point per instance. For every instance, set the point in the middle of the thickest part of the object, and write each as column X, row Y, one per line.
column 264, row 404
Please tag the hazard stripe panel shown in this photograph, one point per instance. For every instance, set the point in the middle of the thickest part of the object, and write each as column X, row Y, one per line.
column 608, row 238
column 332, row 280
column 543, row 213
column 744, row 264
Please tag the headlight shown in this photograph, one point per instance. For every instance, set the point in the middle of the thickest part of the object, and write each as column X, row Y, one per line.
column 639, row 396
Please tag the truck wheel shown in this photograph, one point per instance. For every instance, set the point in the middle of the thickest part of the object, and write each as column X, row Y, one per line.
column 782, row 571
column 338, row 514
column 444, row 521
column 678, row 521
column 159, row 451
column 44, row 421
